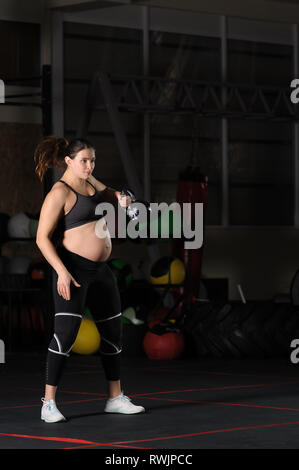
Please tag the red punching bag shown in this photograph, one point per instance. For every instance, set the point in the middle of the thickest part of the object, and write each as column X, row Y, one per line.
column 192, row 188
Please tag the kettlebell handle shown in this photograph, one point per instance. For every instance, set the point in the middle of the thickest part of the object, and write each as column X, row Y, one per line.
column 127, row 192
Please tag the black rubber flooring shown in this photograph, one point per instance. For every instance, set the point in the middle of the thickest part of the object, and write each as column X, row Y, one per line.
column 190, row 404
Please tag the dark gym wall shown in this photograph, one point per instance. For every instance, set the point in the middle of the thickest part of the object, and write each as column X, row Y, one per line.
column 20, row 51
column 20, row 190
column 118, row 51
column 20, row 127
column 87, row 49
column 260, row 153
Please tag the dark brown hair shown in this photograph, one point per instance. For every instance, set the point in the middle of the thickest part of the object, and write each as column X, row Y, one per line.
column 52, row 150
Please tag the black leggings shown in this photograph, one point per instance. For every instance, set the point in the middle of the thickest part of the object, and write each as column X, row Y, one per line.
column 100, row 293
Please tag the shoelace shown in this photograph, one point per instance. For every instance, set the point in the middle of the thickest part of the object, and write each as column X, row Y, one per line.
column 125, row 398
column 49, row 405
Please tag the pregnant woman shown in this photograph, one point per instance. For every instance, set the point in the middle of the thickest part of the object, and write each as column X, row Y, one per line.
column 79, row 270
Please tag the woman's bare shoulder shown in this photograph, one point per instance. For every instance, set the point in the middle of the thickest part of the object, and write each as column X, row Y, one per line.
column 61, row 188
column 58, row 192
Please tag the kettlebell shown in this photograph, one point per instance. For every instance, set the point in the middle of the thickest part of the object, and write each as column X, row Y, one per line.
column 132, row 210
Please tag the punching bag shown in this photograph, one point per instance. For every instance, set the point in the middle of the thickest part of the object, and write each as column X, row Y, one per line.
column 192, row 188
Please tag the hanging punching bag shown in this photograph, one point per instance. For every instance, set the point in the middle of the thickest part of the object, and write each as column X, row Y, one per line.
column 192, row 188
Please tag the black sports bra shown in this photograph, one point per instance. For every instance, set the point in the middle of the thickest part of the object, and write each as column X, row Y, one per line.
column 83, row 210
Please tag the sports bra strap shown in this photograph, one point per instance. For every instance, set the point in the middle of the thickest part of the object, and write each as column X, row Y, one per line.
column 61, row 181
column 74, row 189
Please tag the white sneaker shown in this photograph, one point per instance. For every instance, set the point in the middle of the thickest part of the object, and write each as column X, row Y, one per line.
column 50, row 413
column 122, row 404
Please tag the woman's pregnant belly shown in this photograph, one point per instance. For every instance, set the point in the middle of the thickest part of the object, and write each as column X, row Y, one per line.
column 91, row 240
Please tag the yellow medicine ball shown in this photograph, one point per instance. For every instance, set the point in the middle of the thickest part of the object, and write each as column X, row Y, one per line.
column 168, row 270
column 88, row 338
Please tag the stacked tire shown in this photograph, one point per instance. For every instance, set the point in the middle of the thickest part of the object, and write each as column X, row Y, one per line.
column 237, row 330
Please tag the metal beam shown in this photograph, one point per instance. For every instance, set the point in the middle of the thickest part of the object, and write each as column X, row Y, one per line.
column 199, row 97
column 266, row 10
column 81, row 5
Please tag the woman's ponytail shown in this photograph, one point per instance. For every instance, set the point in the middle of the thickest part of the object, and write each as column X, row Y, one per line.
column 50, row 153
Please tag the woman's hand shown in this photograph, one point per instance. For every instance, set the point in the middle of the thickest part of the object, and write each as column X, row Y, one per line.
column 63, row 285
column 124, row 200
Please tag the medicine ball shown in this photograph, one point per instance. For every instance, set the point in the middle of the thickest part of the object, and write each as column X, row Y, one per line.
column 122, row 272
column 18, row 226
column 163, row 347
column 87, row 314
column 88, row 338
column 19, row 265
column 38, row 269
column 168, row 270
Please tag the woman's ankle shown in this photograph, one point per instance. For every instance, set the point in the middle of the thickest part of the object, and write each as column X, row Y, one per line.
column 114, row 389
column 50, row 392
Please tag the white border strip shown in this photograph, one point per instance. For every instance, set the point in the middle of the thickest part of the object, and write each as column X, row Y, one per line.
column 110, row 318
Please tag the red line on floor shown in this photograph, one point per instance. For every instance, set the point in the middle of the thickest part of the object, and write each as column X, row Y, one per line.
column 130, row 447
column 145, row 395
column 230, row 387
column 70, row 440
column 198, row 371
column 180, row 436
column 56, row 439
column 216, row 431
column 108, row 445
column 205, row 402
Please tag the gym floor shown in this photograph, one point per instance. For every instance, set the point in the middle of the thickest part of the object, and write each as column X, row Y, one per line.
column 190, row 404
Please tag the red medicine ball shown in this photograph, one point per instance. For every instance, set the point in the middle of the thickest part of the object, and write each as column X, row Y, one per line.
column 163, row 347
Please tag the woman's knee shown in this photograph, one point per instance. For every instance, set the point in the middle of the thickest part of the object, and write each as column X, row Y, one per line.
column 111, row 332
column 65, row 332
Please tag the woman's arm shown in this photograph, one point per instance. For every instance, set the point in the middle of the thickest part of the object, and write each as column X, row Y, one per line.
column 97, row 184
column 109, row 194
column 51, row 211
